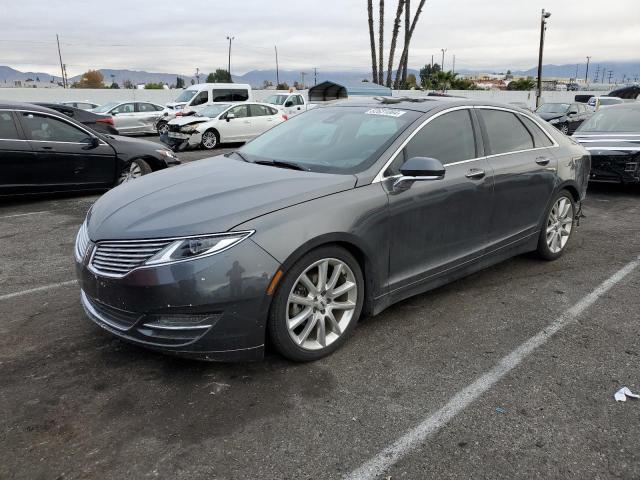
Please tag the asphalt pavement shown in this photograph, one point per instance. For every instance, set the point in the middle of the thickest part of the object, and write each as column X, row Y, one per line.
column 76, row 403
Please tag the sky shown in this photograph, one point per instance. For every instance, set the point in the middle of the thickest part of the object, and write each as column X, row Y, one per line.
column 179, row 35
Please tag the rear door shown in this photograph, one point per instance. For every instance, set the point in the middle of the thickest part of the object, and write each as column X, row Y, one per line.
column 262, row 118
column 65, row 155
column 147, row 114
column 524, row 167
column 18, row 161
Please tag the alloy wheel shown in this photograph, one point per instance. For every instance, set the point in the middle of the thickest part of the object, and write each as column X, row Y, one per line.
column 321, row 304
column 559, row 224
column 134, row 171
column 163, row 128
column 209, row 140
column 564, row 128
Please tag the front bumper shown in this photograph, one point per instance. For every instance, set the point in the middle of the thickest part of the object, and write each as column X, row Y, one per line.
column 214, row 308
column 615, row 168
column 178, row 144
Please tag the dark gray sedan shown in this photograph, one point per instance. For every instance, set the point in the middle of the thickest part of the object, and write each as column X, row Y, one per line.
column 332, row 215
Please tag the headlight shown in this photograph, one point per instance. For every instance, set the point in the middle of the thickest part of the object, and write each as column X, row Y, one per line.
column 188, row 129
column 166, row 153
column 197, row 247
column 554, row 120
column 82, row 242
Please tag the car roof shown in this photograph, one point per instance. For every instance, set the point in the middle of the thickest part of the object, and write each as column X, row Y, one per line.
column 27, row 106
column 625, row 105
column 421, row 104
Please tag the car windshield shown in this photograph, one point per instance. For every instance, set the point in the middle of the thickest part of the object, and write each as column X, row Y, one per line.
column 186, row 96
column 106, row 107
column 553, row 108
column 332, row 139
column 276, row 99
column 213, row 110
column 613, row 120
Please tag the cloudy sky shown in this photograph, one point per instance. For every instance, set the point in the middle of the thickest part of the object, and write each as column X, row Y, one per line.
column 180, row 35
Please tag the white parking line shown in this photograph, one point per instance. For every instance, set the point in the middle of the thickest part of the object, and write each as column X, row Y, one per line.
column 37, row 289
column 462, row 399
column 24, row 214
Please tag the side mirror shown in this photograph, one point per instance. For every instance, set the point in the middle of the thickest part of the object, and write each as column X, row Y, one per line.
column 114, row 113
column 288, row 103
column 418, row 169
column 92, row 142
column 230, row 116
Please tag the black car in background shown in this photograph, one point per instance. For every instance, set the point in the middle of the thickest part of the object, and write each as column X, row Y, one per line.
column 612, row 136
column 566, row 117
column 86, row 105
column 42, row 150
column 96, row 121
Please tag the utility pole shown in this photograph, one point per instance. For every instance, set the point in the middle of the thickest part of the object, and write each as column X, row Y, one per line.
column 442, row 65
column 543, row 28
column 315, row 76
column 432, row 62
column 64, row 83
column 277, row 70
column 586, row 74
column 229, row 67
column 604, row 70
column 197, row 75
column 597, row 75
column 576, row 76
column 453, row 69
column 302, row 74
column 66, row 77
column 610, row 75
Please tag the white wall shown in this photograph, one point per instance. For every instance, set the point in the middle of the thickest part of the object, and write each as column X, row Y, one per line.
column 163, row 96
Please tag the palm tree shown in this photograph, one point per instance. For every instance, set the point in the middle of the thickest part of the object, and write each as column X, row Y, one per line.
column 380, row 79
column 394, row 39
column 405, row 52
column 374, row 66
column 407, row 39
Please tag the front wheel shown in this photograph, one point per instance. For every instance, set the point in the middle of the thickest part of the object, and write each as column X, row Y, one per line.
column 162, row 128
column 558, row 227
column 135, row 169
column 210, row 139
column 564, row 128
column 317, row 304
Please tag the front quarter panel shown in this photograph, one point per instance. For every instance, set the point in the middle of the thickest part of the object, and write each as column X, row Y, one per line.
column 356, row 218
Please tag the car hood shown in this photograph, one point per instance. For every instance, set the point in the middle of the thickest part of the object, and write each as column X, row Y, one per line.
column 550, row 116
column 188, row 120
column 208, row 196
column 131, row 145
column 609, row 143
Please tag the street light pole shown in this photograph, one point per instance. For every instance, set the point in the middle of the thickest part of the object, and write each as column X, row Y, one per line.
column 229, row 68
column 442, row 64
column 586, row 74
column 543, row 27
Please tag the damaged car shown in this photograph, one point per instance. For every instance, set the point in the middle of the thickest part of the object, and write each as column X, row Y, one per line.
column 221, row 123
column 612, row 136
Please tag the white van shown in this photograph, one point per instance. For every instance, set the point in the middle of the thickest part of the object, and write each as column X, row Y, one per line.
column 196, row 97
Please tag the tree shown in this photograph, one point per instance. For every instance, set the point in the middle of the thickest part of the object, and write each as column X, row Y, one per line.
column 114, row 85
column 267, row 83
column 381, row 45
column 426, row 74
column 394, row 39
column 521, row 84
column 219, row 76
column 90, row 79
column 154, row 86
column 179, row 82
column 405, row 51
column 372, row 40
column 282, row 86
column 193, row 82
column 411, row 81
column 128, row 84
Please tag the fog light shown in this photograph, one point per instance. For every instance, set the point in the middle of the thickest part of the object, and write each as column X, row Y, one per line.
column 181, row 321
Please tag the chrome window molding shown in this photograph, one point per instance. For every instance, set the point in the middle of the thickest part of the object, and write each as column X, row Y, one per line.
column 380, row 175
column 615, row 149
column 47, row 114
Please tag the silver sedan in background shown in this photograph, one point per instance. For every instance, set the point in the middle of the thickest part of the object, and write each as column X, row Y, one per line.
column 132, row 117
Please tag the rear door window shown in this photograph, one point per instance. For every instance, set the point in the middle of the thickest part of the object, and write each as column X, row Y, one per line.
column 504, row 132
column 260, row 110
column 8, row 129
column 146, row 107
column 540, row 139
column 221, row 95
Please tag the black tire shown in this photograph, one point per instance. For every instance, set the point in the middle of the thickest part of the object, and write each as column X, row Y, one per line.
column 142, row 165
column 277, row 322
column 160, row 127
column 544, row 251
column 212, row 134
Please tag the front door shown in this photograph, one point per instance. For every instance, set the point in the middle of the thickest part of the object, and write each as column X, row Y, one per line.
column 524, row 166
column 239, row 128
column 124, row 118
column 67, row 156
column 436, row 225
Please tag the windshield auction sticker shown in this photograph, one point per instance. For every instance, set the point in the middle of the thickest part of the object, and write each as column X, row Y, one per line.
column 387, row 112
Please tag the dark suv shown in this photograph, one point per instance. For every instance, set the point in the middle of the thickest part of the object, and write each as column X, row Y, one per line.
column 42, row 150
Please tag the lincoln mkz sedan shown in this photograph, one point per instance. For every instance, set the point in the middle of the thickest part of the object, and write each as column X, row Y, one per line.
column 332, row 215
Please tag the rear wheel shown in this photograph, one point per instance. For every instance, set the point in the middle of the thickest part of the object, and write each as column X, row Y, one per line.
column 135, row 169
column 317, row 304
column 558, row 227
column 210, row 139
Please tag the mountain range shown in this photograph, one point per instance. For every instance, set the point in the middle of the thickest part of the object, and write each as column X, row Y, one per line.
column 631, row 70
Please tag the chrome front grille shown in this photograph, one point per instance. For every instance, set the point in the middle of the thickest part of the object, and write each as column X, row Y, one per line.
column 82, row 242
column 117, row 258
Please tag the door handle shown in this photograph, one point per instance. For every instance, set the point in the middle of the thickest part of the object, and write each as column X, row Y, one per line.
column 542, row 161
column 475, row 173
column 46, row 148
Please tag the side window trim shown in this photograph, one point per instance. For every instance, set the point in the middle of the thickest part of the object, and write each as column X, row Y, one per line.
column 491, row 107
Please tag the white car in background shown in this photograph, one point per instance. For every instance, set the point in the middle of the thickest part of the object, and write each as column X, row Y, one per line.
column 222, row 123
column 291, row 103
column 132, row 117
column 604, row 101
